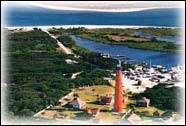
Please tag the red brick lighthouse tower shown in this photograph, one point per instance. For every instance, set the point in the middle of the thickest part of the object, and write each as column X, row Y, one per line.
column 118, row 105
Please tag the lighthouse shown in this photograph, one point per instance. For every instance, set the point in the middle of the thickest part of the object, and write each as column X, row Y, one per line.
column 118, row 104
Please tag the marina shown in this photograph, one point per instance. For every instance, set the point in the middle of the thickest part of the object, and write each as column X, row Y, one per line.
column 165, row 59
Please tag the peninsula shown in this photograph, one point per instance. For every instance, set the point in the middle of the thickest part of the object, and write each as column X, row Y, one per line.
column 67, row 83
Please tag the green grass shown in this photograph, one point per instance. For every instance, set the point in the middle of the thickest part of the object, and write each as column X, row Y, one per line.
column 149, row 45
column 155, row 46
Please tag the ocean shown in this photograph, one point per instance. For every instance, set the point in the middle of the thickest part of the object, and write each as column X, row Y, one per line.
column 37, row 16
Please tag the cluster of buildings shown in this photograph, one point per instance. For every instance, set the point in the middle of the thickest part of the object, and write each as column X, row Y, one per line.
column 139, row 78
column 78, row 103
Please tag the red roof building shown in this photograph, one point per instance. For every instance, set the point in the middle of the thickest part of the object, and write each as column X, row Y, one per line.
column 105, row 100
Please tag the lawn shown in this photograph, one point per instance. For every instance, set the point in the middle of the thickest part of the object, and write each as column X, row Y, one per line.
column 89, row 95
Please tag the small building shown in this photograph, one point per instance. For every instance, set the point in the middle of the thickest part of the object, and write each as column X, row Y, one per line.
column 105, row 55
column 93, row 111
column 78, row 103
column 143, row 102
column 105, row 100
column 69, row 61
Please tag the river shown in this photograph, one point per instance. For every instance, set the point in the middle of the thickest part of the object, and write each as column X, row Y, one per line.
column 165, row 59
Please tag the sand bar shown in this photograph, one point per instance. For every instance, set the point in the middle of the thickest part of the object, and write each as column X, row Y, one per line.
column 85, row 26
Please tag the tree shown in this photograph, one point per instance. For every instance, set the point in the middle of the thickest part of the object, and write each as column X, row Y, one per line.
column 164, row 97
column 156, row 114
column 26, row 113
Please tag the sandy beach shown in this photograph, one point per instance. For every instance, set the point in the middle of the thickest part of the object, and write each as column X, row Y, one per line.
column 86, row 26
column 103, row 10
column 107, row 6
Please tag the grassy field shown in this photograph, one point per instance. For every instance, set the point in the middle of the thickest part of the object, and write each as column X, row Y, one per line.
column 130, row 31
column 89, row 95
column 122, row 38
column 126, row 37
column 90, row 98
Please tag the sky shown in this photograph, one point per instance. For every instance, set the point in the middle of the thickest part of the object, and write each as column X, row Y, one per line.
column 97, row 5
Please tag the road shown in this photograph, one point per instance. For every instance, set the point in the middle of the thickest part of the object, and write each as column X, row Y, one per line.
column 75, row 74
column 65, row 49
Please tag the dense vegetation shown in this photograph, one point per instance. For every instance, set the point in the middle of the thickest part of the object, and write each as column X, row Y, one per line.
column 66, row 40
column 101, row 35
column 130, row 31
column 163, row 97
column 161, row 31
column 61, row 31
column 156, row 46
column 37, row 72
column 30, row 42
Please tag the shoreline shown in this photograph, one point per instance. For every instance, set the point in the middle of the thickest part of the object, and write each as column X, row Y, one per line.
column 105, row 10
column 102, row 6
column 86, row 26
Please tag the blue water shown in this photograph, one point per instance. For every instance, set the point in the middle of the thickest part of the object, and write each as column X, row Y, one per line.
column 165, row 59
column 29, row 16
column 33, row 16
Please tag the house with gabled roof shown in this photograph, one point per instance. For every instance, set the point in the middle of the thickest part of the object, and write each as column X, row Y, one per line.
column 78, row 103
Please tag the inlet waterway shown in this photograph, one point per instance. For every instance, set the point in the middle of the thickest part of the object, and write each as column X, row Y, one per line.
column 165, row 59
